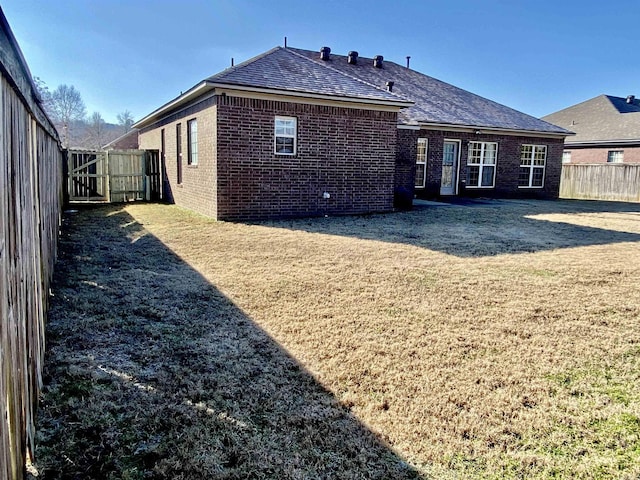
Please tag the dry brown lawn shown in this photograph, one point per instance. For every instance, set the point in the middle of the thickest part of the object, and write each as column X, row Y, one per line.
column 494, row 339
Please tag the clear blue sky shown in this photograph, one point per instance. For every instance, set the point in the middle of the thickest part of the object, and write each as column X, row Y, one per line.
column 537, row 56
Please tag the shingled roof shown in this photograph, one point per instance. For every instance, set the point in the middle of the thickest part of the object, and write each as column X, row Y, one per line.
column 424, row 100
column 602, row 119
column 435, row 102
column 285, row 69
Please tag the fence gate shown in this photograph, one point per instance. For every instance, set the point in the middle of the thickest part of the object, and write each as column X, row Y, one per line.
column 88, row 176
column 114, row 175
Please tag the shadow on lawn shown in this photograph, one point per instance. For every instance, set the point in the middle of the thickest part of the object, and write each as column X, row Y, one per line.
column 482, row 227
column 151, row 372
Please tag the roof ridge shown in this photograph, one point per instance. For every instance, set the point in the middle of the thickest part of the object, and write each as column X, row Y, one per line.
column 615, row 96
column 434, row 79
column 400, row 97
column 360, row 57
column 601, row 96
column 246, row 62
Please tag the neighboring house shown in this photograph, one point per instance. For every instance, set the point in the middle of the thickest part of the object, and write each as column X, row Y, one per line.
column 296, row 133
column 128, row 141
column 607, row 130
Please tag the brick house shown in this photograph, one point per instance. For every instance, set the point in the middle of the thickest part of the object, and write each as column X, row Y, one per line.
column 294, row 132
column 128, row 141
column 607, row 130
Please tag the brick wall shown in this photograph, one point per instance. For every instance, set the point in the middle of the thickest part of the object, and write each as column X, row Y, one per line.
column 508, row 163
column 198, row 188
column 348, row 153
column 599, row 155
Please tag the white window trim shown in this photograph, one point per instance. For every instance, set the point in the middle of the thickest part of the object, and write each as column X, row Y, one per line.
column 532, row 166
column 566, row 156
column 426, row 150
column 191, row 152
column 294, row 136
column 482, row 165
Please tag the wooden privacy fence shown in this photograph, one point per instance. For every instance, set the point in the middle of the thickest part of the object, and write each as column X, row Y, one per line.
column 113, row 175
column 31, row 179
column 619, row 182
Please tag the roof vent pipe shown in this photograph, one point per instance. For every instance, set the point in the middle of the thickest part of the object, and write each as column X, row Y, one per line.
column 631, row 98
column 353, row 57
column 377, row 61
column 389, row 86
column 325, row 53
column 408, row 58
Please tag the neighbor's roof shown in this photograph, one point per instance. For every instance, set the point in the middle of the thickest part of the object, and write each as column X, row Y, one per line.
column 603, row 119
column 127, row 141
column 435, row 102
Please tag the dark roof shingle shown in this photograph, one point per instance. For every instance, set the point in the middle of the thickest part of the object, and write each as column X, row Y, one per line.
column 603, row 118
column 284, row 69
column 423, row 99
column 435, row 101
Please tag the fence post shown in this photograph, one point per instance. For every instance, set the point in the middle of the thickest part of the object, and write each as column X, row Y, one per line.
column 107, row 168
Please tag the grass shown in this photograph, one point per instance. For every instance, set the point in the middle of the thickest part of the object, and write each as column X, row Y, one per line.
column 491, row 340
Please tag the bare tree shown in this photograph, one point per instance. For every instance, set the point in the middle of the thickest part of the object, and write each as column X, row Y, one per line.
column 125, row 120
column 66, row 108
column 44, row 93
column 96, row 131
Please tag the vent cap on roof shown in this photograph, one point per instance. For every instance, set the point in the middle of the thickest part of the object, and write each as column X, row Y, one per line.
column 352, row 58
column 325, row 53
column 377, row 61
column 631, row 98
column 390, row 86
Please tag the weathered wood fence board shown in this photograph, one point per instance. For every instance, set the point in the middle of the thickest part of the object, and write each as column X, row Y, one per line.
column 30, row 204
column 619, row 182
column 113, row 176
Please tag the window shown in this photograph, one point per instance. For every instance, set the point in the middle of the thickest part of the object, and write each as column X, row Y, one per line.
column 162, row 145
column 285, row 135
column 566, row 156
column 615, row 156
column 532, row 162
column 192, row 142
column 179, row 152
column 421, row 163
column 481, row 164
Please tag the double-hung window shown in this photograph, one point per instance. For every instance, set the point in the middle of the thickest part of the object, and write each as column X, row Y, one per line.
column 533, row 159
column 192, row 142
column 421, row 163
column 481, row 164
column 285, row 135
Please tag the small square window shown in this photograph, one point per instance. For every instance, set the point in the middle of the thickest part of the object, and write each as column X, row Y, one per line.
column 615, row 156
column 566, row 156
column 285, row 129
